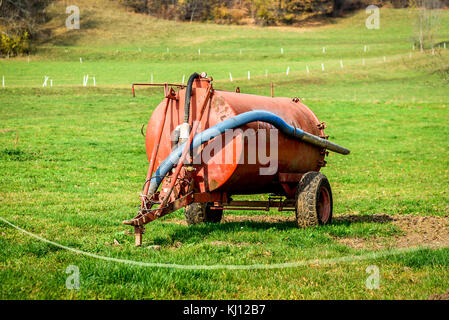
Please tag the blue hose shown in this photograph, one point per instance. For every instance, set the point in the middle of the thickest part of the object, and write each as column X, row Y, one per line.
column 232, row 123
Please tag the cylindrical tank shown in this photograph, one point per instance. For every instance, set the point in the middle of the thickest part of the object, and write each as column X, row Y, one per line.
column 227, row 173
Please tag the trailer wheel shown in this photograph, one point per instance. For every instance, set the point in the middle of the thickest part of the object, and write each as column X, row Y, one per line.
column 197, row 213
column 313, row 200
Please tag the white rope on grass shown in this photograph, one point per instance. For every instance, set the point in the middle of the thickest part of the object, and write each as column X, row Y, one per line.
column 310, row 262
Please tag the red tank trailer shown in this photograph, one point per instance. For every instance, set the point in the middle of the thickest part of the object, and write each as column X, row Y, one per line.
column 206, row 145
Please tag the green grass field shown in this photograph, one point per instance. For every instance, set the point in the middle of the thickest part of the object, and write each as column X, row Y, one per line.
column 72, row 160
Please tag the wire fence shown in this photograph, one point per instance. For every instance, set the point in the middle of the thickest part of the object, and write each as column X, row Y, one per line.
column 318, row 67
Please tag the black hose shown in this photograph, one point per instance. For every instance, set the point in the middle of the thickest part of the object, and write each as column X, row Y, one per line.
column 188, row 96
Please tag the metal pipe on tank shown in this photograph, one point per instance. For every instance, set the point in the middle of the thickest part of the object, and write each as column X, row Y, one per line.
column 184, row 129
column 189, row 95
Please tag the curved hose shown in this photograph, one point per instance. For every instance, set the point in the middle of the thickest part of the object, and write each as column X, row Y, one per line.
column 188, row 96
column 235, row 122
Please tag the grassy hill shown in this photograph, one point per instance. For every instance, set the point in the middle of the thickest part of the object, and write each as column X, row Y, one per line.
column 72, row 159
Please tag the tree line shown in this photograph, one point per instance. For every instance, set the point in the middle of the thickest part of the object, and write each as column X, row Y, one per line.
column 19, row 19
column 261, row 12
column 18, row 22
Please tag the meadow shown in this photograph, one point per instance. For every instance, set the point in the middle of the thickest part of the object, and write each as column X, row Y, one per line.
column 72, row 160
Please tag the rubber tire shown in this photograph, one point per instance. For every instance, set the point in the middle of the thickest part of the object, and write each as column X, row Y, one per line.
column 197, row 213
column 308, row 198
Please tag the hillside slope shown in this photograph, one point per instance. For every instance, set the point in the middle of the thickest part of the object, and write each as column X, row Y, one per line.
column 118, row 47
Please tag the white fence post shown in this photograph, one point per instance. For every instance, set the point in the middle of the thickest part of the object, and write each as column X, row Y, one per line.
column 45, row 82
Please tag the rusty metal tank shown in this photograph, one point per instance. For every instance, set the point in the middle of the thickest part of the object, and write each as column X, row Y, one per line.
column 294, row 156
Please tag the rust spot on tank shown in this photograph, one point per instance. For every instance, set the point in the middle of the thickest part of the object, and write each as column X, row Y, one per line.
column 218, row 102
column 221, row 108
column 213, row 184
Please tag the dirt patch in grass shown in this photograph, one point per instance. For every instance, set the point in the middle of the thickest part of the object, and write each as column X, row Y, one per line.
column 444, row 296
column 416, row 230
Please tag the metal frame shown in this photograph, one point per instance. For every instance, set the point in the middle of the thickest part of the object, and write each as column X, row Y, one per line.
column 165, row 85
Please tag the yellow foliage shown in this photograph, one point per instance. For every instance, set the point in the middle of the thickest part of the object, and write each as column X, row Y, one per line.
column 14, row 45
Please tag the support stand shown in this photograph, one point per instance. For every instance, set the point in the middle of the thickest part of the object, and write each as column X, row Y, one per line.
column 138, row 232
